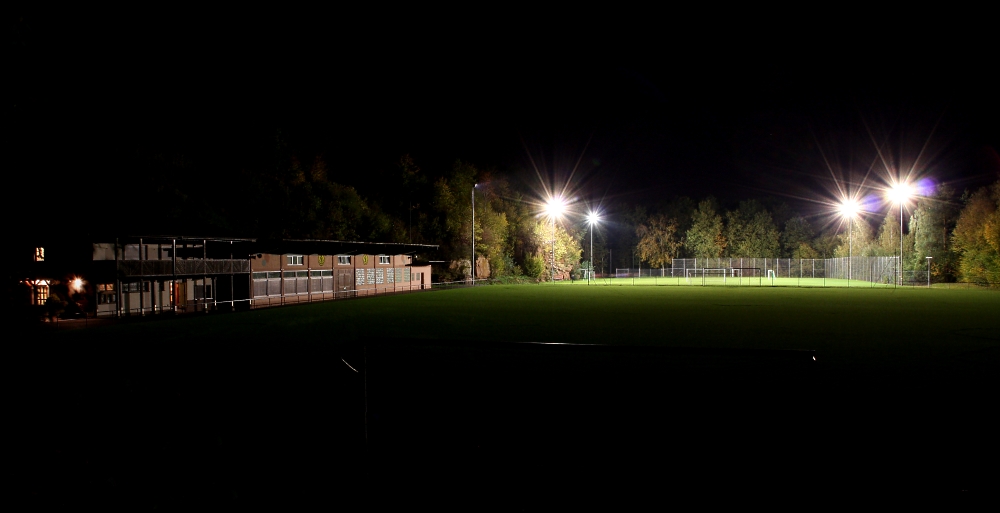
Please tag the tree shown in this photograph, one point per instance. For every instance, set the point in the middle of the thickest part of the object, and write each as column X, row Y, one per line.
column 931, row 225
column 887, row 243
column 977, row 237
column 796, row 239
column 704, row 239
column 863, row 241
column 567, row 248
column 751, row 232
column 658, row 240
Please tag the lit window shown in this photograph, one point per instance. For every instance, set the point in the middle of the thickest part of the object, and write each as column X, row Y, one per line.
column 294, row 259
column 384, row 259
column 343, row 259
column 39, row 254
column 41, row 294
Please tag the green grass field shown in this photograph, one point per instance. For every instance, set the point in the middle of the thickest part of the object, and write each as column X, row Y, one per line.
column 251, row 404
column 861, row 325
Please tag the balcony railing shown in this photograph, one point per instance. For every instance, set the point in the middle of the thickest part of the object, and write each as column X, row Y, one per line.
column 198, row 267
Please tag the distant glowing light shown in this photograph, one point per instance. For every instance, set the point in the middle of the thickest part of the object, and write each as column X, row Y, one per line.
column 555, row 206
column 77, row 285
column 850, row 208
column 900, row 193
column 593, row 218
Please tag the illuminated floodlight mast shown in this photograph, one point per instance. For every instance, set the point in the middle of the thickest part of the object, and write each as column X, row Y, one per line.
column 849, row 210
column 592, row 219
column 900, row 193
column 554, row 208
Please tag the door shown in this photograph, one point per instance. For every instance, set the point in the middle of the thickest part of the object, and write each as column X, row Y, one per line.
column 345, row 282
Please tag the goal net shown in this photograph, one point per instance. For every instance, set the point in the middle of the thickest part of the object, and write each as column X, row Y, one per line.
column 707, row 275
column 723, row 275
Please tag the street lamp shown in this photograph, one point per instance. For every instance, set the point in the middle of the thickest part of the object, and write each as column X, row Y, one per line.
column 592, row 219
column 929, row 271
column 900, row 193
column 849, row 210
column 554, row 208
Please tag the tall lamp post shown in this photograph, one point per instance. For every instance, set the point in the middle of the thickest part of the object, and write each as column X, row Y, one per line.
column 849, row 210
column 900, row 194
column 554, row 208
column 592, row 219
column 929, row 271
column 473, row 261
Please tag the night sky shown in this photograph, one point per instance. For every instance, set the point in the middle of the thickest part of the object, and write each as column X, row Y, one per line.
column 623, row 108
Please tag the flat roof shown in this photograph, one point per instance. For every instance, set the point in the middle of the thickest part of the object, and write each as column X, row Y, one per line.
column 281, row 246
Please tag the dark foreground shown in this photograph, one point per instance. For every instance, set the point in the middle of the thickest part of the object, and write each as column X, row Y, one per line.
column 282, row 423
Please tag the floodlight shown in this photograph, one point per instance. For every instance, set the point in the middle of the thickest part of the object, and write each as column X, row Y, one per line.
column 555, row 206
column 849, row 208
column 592, row 219
column 900, row 193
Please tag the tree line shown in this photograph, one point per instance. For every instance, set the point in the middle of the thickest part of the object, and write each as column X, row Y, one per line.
column 282, row 193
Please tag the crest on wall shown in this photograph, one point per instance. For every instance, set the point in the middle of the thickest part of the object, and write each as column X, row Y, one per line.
column 321, row 259
column 364, row 259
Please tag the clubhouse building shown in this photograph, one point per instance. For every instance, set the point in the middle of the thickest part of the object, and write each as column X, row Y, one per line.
column 160, row 274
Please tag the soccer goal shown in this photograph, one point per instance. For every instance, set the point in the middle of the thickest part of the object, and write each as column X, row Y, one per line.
column 739, row 273
column 622, row 273
column 708, row 275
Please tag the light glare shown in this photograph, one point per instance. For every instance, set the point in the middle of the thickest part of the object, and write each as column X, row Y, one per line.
column 555, row 206
column 900, row 193
column 849, row 208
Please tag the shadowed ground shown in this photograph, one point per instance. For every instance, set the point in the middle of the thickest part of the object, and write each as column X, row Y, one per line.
column 695, row 389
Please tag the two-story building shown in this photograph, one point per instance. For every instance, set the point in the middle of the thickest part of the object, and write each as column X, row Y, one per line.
column 156, row 274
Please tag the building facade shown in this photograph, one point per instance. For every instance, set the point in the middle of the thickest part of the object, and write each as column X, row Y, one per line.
column 152, row 275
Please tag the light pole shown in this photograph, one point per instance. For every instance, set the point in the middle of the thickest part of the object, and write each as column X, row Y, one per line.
column 929, row 271
column 849, row 209
column 592, row 219
column 554, row 207
column 900, row 194
column 473, row 261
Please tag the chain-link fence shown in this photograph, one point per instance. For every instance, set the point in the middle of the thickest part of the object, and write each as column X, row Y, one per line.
column 794, row 272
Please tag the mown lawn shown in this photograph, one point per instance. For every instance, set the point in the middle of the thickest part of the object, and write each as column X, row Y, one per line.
column 860, row 325
column 243, row 409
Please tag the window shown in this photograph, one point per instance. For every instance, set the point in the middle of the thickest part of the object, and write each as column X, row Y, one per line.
column 39, row 254
column 343, row 259
column 384, row 259
column 41, row 294
column 135, row 287
column 105, row 293
column 294, row 259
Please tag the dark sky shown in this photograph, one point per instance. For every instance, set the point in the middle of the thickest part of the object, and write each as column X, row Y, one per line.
column 650, row 107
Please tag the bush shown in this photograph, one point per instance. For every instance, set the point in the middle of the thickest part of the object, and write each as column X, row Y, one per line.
column 533, row 266
column 513, row 280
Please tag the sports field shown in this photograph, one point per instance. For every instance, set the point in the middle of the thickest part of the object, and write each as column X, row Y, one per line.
column 861, row 325
column 237, row 409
